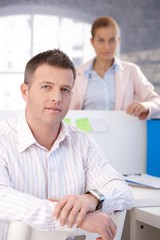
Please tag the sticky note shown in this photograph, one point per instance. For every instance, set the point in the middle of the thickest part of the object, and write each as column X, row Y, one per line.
column 84, row 124
column 67, row 120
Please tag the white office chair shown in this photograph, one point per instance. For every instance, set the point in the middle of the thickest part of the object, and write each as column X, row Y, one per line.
column 21, row 231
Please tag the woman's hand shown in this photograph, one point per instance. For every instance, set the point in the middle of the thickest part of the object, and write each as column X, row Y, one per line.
column 138, row 110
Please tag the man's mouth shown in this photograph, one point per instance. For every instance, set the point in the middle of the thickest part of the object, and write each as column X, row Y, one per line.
column 57, row 109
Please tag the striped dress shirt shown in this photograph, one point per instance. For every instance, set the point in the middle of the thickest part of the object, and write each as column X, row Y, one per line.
column 30, row 174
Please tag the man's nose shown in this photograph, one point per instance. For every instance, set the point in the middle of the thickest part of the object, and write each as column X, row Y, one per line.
column 56, row 95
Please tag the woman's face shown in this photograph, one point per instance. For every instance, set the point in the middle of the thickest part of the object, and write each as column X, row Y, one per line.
column 105, row 42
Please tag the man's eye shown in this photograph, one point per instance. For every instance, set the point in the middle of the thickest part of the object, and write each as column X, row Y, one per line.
column 66, row 90
column 47, row 87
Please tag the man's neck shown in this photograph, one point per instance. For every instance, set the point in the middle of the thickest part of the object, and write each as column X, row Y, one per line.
column 45, row 135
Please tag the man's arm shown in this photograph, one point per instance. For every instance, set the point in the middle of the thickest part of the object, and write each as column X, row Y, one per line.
column 72, row 209
column 91, row 221
column 102, row 176
column 100, row 223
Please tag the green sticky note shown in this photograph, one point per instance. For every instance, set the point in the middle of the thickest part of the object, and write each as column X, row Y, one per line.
column 67, row 120
column 84, row 124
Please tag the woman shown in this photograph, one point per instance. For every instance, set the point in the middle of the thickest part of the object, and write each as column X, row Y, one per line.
column 107, row 83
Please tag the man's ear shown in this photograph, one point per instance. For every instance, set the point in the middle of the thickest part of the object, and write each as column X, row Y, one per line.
column 24, row 90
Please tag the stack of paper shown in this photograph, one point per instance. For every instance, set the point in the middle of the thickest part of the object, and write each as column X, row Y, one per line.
column 143, row 180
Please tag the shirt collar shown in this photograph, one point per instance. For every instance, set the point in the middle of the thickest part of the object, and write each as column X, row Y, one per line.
column 87, row 72
column 26, row 138
column 116, row 65
column 64, row 132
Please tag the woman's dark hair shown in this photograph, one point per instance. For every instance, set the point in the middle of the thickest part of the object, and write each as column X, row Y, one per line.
column 104, row 22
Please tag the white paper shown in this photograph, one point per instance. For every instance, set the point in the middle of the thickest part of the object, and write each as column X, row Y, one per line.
column 143, row 180
column 98, row 125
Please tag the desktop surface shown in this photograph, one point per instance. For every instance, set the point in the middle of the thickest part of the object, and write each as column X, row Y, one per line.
column 146, row 197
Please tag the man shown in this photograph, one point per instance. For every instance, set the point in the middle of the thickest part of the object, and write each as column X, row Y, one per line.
column 53, row 176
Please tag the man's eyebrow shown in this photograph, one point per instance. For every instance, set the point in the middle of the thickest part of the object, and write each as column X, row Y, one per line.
column 51, row 83
column 46, row 82
column 67, row 86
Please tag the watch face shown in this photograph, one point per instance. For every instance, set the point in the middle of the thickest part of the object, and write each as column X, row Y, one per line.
column 97, row 194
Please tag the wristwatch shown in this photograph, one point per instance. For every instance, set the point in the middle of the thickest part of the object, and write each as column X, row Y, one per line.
column 99, row 196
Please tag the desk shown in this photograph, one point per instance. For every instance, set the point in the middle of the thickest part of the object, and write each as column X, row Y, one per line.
column 145, row 223
column 146, row 197
column 143, row 197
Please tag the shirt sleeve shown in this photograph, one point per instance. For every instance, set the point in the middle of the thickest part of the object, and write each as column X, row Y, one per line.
column 144, row 91
column 102, row 176
column 16, row 205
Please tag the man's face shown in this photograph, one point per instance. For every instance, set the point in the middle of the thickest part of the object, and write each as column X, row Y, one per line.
column 49, row 94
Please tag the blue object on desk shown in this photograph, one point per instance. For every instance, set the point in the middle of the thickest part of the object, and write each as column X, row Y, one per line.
column 153, row 147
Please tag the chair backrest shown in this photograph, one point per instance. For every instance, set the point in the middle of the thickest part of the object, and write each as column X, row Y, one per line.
column 21, row 231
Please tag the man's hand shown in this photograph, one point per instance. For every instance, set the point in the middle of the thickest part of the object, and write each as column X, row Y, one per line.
column 138, row 110
column 100, row 223
column 72, row 209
